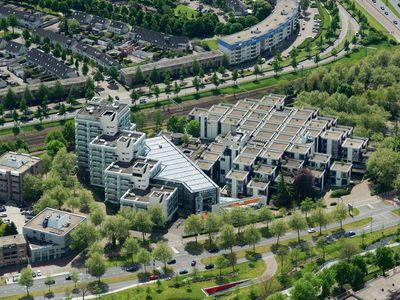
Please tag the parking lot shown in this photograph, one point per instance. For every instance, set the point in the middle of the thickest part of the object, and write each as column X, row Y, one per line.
column 14, row 215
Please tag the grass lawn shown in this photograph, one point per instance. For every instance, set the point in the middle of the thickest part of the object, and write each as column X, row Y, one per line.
column 186, row 11
column 213, row 44
column 36, row 127
column 248, row 270
column 392, row 8
column 396, row 212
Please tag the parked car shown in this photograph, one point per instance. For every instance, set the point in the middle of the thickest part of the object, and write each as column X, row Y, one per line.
column 386, row 13
column 193, row 263
column 183, row 271
column 395, row 22
column 209, row 266
column 3, row 215
column 311, row 230
column 2, row 208
column 382, row 8
column 153, row 277
column 68, row 276
column 171, row 262
column 33, row 274
column 349, row 233
column 38, row 273
column 131, row 269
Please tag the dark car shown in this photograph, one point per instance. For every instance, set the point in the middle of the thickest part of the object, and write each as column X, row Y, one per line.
column 349, row 234
column 171, row 262
column 193, row 263
column 2, row 208
column 131, row 269
column 183, row 271
column 209, row 266
column 213, row 250
column 68, row 277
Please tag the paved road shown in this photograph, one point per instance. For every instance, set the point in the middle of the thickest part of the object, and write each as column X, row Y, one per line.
column 385, row 20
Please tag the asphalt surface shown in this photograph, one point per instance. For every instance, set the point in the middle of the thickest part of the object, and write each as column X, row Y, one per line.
column 386, row 20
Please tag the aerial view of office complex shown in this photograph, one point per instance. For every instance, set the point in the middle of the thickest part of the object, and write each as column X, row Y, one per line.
column 197, row 149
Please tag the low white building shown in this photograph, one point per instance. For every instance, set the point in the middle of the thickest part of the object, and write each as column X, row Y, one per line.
column 48, row 233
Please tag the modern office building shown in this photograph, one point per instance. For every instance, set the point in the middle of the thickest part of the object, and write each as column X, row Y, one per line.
column 49, row 232
column 99, row 117
column 206, row 60
column 255, row 140
column 13, row 250
column 13, row 168
column 250, row 43
column 134, row 171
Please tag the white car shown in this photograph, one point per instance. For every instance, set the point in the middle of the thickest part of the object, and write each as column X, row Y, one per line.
column 3, row 215
column 38, row 273
column 311, row 230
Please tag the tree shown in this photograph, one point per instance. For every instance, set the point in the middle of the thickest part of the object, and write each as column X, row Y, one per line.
column 348, row 250
column 12, row 21
column 113, row 72
column 320, row 244
column 293, row 56
column 303, row 185
column 115, row 228
column 193, row 128
column 235, row 76
column 303, row 290
column 28, row 96
column 143, row 257
column 307, row 205
column 384, row 257
column 176, row 124
column 139, row 75
column 96, row 265
column 73, row 26
column 84, row 235
column 139, row 118
column 238, row 217
column 378, row 171
column 278, row 229
column 343, row 273
column 277, row 296
column 176, row 89
column 26, row 279
column 32, row 188
column 134, row 96
column 10, row 101
column 68, row 132
column 62, row 110
column 304, row 4
column 143, row 223
column 256, row 71
column 283, row 196
column 193, row 226
column 227, row 238
column 265, row 214
column 157, row 215
column 4, row 26
column 320, row 217
column 326, row 279
column 97, row 216
column 221, row 262
column 211, row 225
column 162, row 253
column 98, row 76
column 215, row 80
column 196, row 83
column 298, row 223
column 158, row 119
column 154, row 75
column 340, row 214
column 2, row 112
column 252, row 236
column 130, row 248
column 49, row 281
column 85, row 69
column 75, row 277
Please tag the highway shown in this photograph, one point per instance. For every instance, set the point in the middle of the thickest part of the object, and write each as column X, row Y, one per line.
column 384, row 16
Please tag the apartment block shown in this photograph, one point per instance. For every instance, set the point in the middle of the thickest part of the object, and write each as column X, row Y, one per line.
column 99, row 117
column 49, row 232
column 13, row 250
column 263, row 37
column 254, row 140
column 13, row 168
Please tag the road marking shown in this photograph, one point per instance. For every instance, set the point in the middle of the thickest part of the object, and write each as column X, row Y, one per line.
column 175, row 250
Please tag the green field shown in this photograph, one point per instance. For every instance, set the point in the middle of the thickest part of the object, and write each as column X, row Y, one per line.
column 392, row 8
column 213, row 44
column 185, row 11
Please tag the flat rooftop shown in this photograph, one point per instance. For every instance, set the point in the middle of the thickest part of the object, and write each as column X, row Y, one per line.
column 341, row 167
column 353, row 143
column 332, row 135
column 300, row 148
column 16, row 239
column 153, row 191
column 265, row 169
column 237, row 175
column 176, row 166
column 132, row 166
column 320, row 157
column 271, row 154
column 204, row 165
column 244, row 160
column 292, row 164
column 380, row 288
column 98, row 106
column 123, row 136
column 19, row 163
column 58, row 222
column 258, row 184
column 284, row 10
column 210, row 156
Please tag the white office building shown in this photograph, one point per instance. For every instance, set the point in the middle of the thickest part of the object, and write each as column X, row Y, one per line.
column 248, row 44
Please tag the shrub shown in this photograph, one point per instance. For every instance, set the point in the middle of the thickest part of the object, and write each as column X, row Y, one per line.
column 339, row 193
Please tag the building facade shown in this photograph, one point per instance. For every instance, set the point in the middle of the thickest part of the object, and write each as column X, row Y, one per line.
column 13, row 168
column 13, row 250
column 263, row 37
column 49, row 232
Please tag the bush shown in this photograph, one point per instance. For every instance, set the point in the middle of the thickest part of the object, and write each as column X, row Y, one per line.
column 339, row 193
column 320, row 261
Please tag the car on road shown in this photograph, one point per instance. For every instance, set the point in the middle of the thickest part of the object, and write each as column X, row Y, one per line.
column 38, row 273
column 68, row 276
column 374, row 1
column 349, row 234
column 183, row 271
column 153, row 277
column 3, row 215
column 213, row 250
column 395, row 22
column 209, row 266
column 131, row 269
column 382, row 8
column 311, row 230
column 193, row 263
column 33, row 274
column 386, row 13
column 2, row 208
column 15, row 278
column 171, row 262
